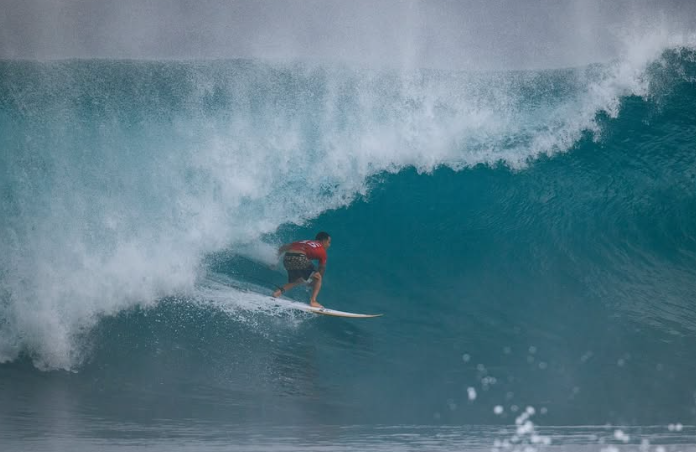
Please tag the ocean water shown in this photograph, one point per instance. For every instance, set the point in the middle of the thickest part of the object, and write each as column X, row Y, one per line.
column 530, row 237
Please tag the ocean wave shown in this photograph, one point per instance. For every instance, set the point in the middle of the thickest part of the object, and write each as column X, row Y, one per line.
column 119, row 177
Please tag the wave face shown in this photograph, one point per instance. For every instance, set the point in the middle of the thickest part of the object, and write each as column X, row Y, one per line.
column 530, row 237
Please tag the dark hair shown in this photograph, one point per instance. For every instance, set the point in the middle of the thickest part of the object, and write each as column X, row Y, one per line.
column 322, row 236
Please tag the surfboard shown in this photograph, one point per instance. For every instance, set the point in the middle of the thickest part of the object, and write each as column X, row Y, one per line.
column 322, row 311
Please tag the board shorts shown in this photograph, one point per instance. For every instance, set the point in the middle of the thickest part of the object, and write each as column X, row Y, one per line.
column 298, row 266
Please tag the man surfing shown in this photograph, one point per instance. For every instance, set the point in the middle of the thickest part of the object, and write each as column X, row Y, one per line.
column 297, row 261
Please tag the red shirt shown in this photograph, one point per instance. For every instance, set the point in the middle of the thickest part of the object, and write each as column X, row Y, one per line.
column 313, row 249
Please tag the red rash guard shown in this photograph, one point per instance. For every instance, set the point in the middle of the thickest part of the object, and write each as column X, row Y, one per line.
column 313, row 249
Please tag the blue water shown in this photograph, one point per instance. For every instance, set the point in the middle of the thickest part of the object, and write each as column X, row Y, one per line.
column 529, row 236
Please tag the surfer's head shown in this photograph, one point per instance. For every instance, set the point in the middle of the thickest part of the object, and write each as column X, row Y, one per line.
column 324, row 238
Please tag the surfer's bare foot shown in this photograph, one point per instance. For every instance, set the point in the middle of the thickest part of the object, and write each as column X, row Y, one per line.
column 315, row 304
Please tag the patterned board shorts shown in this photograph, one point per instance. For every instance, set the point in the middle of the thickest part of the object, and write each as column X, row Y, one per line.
column 298, row 266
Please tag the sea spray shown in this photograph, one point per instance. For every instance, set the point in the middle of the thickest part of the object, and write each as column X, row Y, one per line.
column 119, row 177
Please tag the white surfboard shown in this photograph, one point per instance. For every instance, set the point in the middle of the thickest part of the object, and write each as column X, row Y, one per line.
column 322, row 311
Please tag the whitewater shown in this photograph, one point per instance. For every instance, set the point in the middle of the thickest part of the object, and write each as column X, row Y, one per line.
column 529, row 234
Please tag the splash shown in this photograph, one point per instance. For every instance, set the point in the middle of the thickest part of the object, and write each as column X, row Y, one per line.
column 118, row 178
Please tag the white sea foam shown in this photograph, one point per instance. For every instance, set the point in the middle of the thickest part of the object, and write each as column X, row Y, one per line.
column 120, row 211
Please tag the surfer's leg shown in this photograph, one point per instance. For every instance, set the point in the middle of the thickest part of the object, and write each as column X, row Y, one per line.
column 316, row 287
column 299, row 270
column 287, row 287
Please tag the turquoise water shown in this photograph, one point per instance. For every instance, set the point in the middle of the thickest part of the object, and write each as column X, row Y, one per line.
column 529, row 236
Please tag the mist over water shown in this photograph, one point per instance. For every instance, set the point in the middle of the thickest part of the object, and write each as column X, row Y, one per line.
column 510, row 183
column 455, row 35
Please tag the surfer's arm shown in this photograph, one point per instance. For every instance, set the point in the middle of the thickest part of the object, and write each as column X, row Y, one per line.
column 283, row 248
column 322, row 262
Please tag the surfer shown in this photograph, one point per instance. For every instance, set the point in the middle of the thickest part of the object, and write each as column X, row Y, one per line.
column 297, row 261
